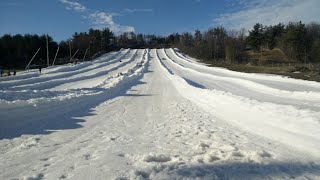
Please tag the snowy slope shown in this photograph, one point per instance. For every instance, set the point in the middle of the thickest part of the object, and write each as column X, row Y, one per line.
column 157, row 114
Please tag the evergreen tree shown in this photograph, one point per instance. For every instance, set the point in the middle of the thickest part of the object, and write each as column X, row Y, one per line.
column 295, row 42
column 256, row 37
column 273, row 35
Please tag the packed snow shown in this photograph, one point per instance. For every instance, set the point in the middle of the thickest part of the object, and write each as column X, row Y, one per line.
column 157, row 114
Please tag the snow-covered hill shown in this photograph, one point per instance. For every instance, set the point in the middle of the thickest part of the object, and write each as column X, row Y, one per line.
column 157, row 114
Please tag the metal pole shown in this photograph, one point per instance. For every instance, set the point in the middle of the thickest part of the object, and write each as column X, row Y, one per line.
column 74, row 55
column 47, row 51
column 54, row 60
column 33, row 58
column 70, row 48
column 85, row 54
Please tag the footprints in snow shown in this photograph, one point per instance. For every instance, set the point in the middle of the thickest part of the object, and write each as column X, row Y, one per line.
column 217, row 144
column 68, row 173
column 84, row 153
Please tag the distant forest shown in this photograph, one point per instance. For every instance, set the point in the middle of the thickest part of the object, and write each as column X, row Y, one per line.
column 298, row 41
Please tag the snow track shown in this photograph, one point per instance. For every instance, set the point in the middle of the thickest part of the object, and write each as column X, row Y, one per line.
column 157, row 114
column 245, row 88
column 278, row 82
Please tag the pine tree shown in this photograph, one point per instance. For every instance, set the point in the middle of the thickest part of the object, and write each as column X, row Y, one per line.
column 256, row 37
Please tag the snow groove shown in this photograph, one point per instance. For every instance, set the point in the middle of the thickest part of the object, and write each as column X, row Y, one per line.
column 310, row 96
column 269, row 80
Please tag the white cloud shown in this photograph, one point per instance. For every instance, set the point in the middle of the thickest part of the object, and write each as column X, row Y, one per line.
column 101, row 20
column 137, row 10
column 71, row 5
column 270, row 12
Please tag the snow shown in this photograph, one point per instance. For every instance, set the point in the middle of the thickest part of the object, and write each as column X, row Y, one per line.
column 133, row 115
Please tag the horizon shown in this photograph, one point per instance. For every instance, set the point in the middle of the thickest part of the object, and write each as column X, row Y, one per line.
column 62, row 18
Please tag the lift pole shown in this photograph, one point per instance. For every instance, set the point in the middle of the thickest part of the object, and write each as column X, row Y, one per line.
column 73, row 55
column 47, row 51
column 54, row 60
column 85, row 54
column 70, row 48
column 32, row 58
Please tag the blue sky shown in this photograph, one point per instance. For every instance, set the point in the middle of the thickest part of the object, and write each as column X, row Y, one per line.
column 61, row 18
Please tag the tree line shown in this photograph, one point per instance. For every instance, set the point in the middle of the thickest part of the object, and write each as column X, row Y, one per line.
column 300, row 42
